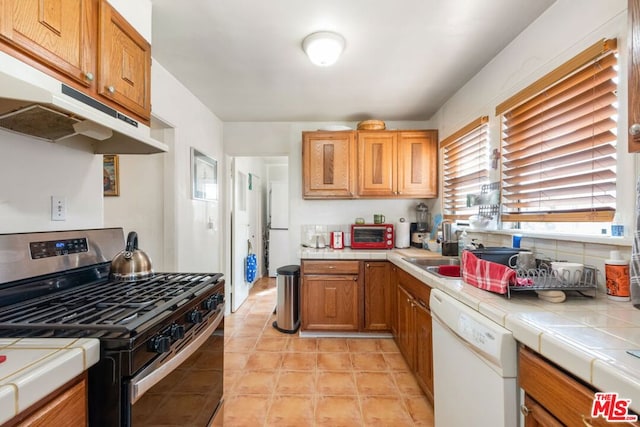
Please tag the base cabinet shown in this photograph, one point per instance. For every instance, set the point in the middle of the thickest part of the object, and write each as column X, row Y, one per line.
column 330, row 296
column 377, row 296
column 553, row 397
column 413, row 335
column 66, row 407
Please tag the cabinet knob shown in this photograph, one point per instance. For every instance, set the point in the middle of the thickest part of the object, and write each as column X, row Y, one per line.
column 89, row 76
column 368, row 265
column 635, row 129
column 524, row 410
column 111, row 89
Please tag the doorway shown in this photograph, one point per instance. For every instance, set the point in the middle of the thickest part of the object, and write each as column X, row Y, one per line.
column 248, row 221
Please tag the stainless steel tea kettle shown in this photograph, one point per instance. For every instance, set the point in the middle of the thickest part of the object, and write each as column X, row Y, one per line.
column 131, row 264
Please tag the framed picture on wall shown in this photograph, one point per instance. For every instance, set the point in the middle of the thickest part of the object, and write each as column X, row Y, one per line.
column 204, row 176
column 110, row 175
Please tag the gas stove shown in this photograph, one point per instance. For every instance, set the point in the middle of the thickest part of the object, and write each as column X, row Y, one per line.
column 57, row 284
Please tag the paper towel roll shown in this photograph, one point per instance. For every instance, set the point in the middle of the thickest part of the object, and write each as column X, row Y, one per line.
column 403, row 234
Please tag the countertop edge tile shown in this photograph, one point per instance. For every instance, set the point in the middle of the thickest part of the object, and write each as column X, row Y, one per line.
column 7, row 402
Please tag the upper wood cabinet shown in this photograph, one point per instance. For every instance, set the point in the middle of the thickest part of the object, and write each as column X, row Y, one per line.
column 125, row 63
column 58, row 33
column 328, row 165
column 377, row 163
column 399, row 164
column 417, row 164
column 383, row 164
column 634, row 76
column 84, row 43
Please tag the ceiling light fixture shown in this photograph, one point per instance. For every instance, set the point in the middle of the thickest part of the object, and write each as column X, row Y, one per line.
column 323, row 48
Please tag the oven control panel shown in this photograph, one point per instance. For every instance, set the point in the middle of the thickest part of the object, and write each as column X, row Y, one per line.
column 53, row 248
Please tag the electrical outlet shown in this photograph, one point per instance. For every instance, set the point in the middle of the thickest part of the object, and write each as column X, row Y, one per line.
column 58, row 208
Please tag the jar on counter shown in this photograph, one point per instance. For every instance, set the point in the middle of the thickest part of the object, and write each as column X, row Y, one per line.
column 617, row 274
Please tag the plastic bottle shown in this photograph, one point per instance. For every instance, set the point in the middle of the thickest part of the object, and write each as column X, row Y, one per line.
column 617, row 275
column 463, row 242
column 617, row 228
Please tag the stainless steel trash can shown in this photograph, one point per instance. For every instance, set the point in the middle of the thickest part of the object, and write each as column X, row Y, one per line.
column 288, row 299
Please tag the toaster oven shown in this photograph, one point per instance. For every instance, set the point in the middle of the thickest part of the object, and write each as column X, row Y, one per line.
column 372, row 236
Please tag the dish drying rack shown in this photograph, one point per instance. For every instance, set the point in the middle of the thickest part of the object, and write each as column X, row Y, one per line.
column 544, row 278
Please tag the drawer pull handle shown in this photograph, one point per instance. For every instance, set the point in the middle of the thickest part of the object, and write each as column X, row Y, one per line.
column 331, row 267
column 585, row 422
column 525, row 411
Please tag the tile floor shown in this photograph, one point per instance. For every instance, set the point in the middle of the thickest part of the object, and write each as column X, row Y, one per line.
column 276, row 379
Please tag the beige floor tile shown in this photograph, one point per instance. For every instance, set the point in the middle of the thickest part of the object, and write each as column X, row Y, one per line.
column 299, row 361
column 263, row 361
column 420, row 410
column 334, row 361
column 235, row 360
column 296, row 382
column 256, row 382
column 246, row 410
column 407, row 383
column 333, row 345
column 303, row 345
column 291, row 410
column 376, row 383
column 361, row 345
column 338, row 410
column 241, row 344
column 387, row 345
column 396, row 362
column 266, row 343
column 385, row 411
column 368, row 362
column 336, row 383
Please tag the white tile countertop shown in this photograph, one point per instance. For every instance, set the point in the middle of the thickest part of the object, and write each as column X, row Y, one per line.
column 588, row 337
column 35, row 367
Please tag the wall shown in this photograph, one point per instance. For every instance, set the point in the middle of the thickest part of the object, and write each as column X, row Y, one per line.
column 566, row 28
column 31, row 171
column 285, row 139
column 562, row 31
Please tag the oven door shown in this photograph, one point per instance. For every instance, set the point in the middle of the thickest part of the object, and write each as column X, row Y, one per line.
column 186, row 390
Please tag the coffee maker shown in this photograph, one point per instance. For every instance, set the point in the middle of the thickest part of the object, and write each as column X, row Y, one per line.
column 420, row 229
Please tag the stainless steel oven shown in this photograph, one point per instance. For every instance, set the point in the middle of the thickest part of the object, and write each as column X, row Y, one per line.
column 161, row 339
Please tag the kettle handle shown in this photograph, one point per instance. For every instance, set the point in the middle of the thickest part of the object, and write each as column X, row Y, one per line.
column 132, row 242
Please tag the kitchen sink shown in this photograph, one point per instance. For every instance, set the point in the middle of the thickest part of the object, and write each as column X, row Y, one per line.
column 433, row 262
column 433, row 266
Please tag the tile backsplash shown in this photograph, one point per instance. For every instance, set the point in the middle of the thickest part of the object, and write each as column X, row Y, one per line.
column 309, row 232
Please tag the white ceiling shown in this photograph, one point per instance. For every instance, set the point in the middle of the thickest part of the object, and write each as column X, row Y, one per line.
column 403, row 58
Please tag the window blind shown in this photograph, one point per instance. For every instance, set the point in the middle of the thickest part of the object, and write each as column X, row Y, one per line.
column 465, row 167
column 559, row 145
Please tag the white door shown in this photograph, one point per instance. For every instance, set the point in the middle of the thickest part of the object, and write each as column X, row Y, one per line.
column 255, row 221
column 239, row 236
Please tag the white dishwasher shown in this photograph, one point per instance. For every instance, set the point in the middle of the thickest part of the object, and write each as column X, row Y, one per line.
column 474, row 367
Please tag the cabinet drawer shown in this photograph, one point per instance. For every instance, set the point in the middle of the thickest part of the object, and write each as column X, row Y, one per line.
column 330, row 267
column 568, row 399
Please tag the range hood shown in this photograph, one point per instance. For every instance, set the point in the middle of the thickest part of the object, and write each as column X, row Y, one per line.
column 35, row 104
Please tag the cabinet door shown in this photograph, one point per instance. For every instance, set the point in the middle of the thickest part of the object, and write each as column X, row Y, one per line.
column 328, row 165
column 406, row 332
column 377, row 163
column 634, row 72
column 417, row 164
column 66, row 409
column 537, row 416
column 56, row 33
column 424, row 350
column 377, row 296
column 330, row 303
column 125, row 63
column 393, row 280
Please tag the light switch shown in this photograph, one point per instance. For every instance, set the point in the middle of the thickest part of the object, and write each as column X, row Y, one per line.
column 58, row 208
